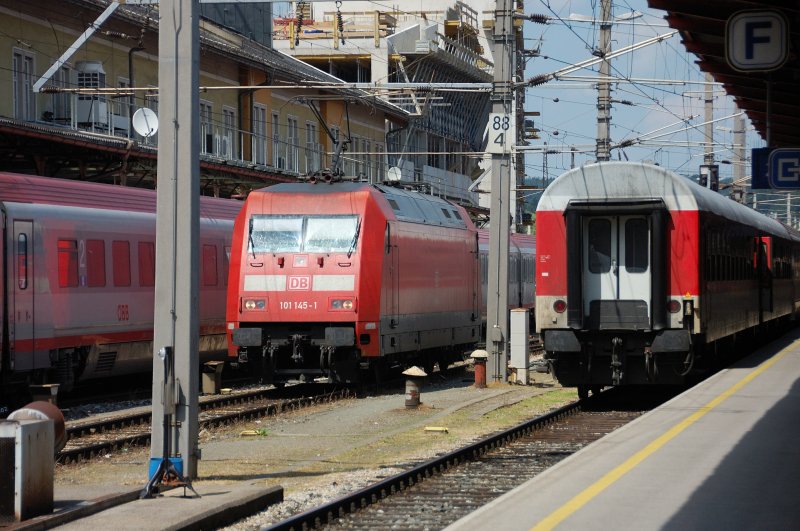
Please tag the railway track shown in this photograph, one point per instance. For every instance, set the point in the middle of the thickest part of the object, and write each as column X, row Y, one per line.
column 90, row 438
column 436, row 493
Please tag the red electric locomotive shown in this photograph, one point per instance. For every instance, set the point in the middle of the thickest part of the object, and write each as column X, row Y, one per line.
column 641, row 273
column 79, row 276
column 330, row 279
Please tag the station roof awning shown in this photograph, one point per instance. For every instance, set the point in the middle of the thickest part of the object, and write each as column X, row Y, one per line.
column 702, row 25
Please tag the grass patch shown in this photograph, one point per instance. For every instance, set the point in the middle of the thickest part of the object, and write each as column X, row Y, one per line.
column 464, row 425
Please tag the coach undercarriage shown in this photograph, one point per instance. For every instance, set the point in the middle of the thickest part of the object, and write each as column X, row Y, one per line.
column 621, row 358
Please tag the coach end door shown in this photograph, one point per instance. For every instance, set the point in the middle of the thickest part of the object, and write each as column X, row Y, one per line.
column 21, row 335
column 617, row 271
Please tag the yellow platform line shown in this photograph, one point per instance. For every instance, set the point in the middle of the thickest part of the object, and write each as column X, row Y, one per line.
column 581, row 499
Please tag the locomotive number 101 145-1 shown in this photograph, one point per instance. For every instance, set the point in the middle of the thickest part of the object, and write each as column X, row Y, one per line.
column 297, row 305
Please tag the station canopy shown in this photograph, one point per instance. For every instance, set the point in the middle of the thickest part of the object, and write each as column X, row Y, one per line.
column 702, row 25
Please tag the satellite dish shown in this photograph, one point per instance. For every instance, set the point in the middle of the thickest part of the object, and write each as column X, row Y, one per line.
column 145, row 122
column 394, row 174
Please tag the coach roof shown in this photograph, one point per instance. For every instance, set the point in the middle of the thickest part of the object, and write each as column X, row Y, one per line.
column 606, row 181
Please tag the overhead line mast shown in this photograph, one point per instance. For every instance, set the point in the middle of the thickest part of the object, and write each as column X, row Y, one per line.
column 503, row 98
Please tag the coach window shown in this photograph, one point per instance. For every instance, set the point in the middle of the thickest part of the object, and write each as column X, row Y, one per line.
column 121, row 262
column 636, row 249
column 599, row 246
column 147, row 264
column 67, row 263
column 209, row 265
column 22, row 261
column 96, row 263
column 226, row 264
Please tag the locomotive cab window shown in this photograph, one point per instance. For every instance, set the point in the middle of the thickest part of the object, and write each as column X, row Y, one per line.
column 330, row 234
column 311, row 234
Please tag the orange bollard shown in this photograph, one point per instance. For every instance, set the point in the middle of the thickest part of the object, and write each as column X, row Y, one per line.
column 480, row 357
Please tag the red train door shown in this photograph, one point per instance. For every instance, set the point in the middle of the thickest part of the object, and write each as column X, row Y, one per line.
column 22, row 334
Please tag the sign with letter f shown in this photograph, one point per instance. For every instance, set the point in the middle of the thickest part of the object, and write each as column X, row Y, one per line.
column 756, row 41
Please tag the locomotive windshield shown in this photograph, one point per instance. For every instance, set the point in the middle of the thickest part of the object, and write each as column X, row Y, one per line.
column 309, row 234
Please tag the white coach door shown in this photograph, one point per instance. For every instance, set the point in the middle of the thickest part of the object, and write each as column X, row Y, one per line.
column 616, row 265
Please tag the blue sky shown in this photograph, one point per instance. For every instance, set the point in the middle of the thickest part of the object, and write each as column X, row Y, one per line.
column 568, row 108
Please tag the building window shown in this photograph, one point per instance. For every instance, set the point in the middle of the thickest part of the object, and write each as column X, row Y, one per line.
column 278, row 150
column 259, row 148
column 293, row 139
column 313, row 157
column 22, row 72
column 60, row 108
column 228, row 140
column 206, row 127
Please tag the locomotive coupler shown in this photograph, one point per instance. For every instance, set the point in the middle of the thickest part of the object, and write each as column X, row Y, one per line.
column 297, row 347
column 326, row 356
column 650, row 367
column 616, row 362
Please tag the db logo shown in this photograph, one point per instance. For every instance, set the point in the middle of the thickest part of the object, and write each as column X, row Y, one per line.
column 299, row 283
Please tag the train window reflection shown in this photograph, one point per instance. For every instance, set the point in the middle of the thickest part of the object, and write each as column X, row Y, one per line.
column 599, row 245
column 636, row 251
column 330, row 234
column 276, row 234
column 310, row 234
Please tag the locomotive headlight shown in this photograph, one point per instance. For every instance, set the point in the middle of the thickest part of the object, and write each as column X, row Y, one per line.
column 255, row 304
column 559, row 306
column 342, row 304
column 673, row 306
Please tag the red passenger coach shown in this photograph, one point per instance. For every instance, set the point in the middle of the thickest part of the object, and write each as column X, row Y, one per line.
column 330, row 279
column 642, row 273
column 79, row 277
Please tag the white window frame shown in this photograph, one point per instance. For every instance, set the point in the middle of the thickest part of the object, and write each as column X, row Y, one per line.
column 278, row 154
column 293, row 143
column 207, row 137
column 228, row 137
column 259, row 148
column 23, row 70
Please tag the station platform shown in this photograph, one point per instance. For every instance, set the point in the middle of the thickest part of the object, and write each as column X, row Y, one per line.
column 214, row 506
column 722, row 455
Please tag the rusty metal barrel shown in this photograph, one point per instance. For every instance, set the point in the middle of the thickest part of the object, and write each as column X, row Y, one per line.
column 45, row 411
